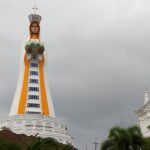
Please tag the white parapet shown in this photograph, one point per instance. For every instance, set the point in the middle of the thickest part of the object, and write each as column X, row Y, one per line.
column 38, row 125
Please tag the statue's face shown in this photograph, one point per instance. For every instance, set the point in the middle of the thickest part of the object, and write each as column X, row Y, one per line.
column 34, row 28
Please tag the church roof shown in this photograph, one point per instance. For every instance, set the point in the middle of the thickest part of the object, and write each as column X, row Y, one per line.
column 143, row 109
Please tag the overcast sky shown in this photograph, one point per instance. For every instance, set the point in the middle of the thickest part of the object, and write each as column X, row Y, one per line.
column 98, row 60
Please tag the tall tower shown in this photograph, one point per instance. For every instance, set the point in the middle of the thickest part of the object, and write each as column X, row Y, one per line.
column 32, row 111
column 32, row 94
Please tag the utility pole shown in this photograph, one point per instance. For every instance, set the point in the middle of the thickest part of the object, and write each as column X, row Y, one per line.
column 96, row 144
column 86, row 148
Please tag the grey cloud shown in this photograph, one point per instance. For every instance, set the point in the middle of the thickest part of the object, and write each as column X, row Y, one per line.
column 98, row 60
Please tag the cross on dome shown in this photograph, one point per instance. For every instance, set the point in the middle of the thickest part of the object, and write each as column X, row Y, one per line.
column 35, row 9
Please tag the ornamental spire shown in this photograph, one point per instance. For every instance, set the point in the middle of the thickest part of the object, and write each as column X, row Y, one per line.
column 146, row 96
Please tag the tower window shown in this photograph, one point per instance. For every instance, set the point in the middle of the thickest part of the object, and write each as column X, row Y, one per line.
column 33, row 89
column 32, row 112
column 33, row 105
column 33, row 81
column 33, row 97
column 34, row 65
column 33, row 73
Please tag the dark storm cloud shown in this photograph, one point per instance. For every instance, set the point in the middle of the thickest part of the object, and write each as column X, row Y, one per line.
column 98, row 60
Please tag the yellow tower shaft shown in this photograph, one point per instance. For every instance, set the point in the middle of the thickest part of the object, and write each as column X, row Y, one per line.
column 23, row 96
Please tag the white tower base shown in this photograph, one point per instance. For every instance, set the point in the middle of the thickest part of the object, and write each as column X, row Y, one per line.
column 38, row 125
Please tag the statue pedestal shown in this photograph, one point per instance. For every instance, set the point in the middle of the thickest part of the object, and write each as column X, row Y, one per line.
column 38, row 125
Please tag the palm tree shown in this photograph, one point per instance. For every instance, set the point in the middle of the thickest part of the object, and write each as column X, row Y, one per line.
column 108, row 145
column 123, row 139
column 136, row 137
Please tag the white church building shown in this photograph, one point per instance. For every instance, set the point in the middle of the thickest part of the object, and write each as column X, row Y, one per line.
column 143, row 114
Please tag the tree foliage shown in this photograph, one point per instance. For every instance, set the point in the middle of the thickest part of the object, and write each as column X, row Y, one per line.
column 125, row 139
column 47, row 144
column 35, row 144
column 8, row 145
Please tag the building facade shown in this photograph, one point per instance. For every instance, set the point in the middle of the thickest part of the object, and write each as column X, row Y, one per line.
column 32, row 111
column 143, row 114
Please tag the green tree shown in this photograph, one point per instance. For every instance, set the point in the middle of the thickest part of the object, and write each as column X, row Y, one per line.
column 8, row 145
column 47, row 144
column 123, row 139
column 42, row 144
column 136, row 137
column 68, row 147
column 146, row 143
